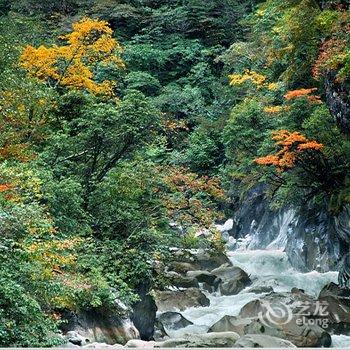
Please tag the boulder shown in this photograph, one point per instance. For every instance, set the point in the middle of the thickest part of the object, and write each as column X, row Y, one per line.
column 179, row 281
column 230, row 324
column 262, row 341
column 337, row 303
column 292, row 316
column 233, row 279
column 160, row 333
column 211, row 288
column 140, row 344
column 180, row 299
column 183, row 266
column 209, row 260
column 296, row 290
column 200, row 259
column 303, row 335
column 76, row 339
column 227, row 272
column 103, row 346
column 232, row 287
column 260, row 290
column 204, row 277
column 144, row 312
column 336, row 291
column 225, row 227
column 288, row 303
column 208, row 340
column 99, row 326
column 173, row 320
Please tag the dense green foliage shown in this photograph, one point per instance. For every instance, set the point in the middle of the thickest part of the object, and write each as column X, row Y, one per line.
column 295, row 66
column 93, row 185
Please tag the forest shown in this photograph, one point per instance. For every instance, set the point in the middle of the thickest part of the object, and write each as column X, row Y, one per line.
column 131, row 129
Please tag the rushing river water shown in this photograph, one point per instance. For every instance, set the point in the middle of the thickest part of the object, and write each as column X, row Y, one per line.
column 266, row 268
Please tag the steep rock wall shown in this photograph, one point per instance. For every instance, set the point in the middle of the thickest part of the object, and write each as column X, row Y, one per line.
column 312, row 238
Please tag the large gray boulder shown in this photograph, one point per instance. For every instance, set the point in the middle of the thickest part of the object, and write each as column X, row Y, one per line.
column 208, row 340
column 179, row 281
column 262, row 341
column 209, row 260
column 139, row 344
column 173, row 320
column 337, row 301
column 282, row 315
column 233, row 279
column 230, row 324
column 180, row 300
column 300, row 334
column 201, row 259
column 286, row 302
column 202, row 276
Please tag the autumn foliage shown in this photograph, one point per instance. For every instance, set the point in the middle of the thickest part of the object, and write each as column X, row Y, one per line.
column 330, row 53
column 275, row 109
column 74, row 64
column 189, row 199
column 306, row 93
column 292, row 146
column 248, row 75
column 255, row 78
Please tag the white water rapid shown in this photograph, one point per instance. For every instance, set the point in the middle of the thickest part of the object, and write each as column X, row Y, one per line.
column 266, row 268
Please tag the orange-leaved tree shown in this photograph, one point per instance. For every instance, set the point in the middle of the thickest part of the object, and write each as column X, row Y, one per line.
column 292, row 147
column 306, row 93
column 74, row 65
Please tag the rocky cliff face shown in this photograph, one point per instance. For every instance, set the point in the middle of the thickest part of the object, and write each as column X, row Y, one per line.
column 338, row 101
column 312, row 238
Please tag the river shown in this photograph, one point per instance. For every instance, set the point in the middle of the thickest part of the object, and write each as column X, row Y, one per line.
column 266, row 268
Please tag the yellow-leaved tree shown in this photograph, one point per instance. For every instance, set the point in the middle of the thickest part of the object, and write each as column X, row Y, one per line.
column 87, row 48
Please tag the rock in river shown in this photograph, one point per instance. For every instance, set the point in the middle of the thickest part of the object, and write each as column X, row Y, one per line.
column 208, row 340
column 180, row 300
column 282, row 315
column 262, row 341
column 230, row 324
column 173, row 320
column 234, row 279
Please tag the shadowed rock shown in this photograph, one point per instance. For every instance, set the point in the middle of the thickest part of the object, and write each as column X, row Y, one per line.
column 173, row 320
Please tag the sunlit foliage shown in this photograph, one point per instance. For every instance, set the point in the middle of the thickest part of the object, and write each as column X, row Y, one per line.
column 89, row 47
